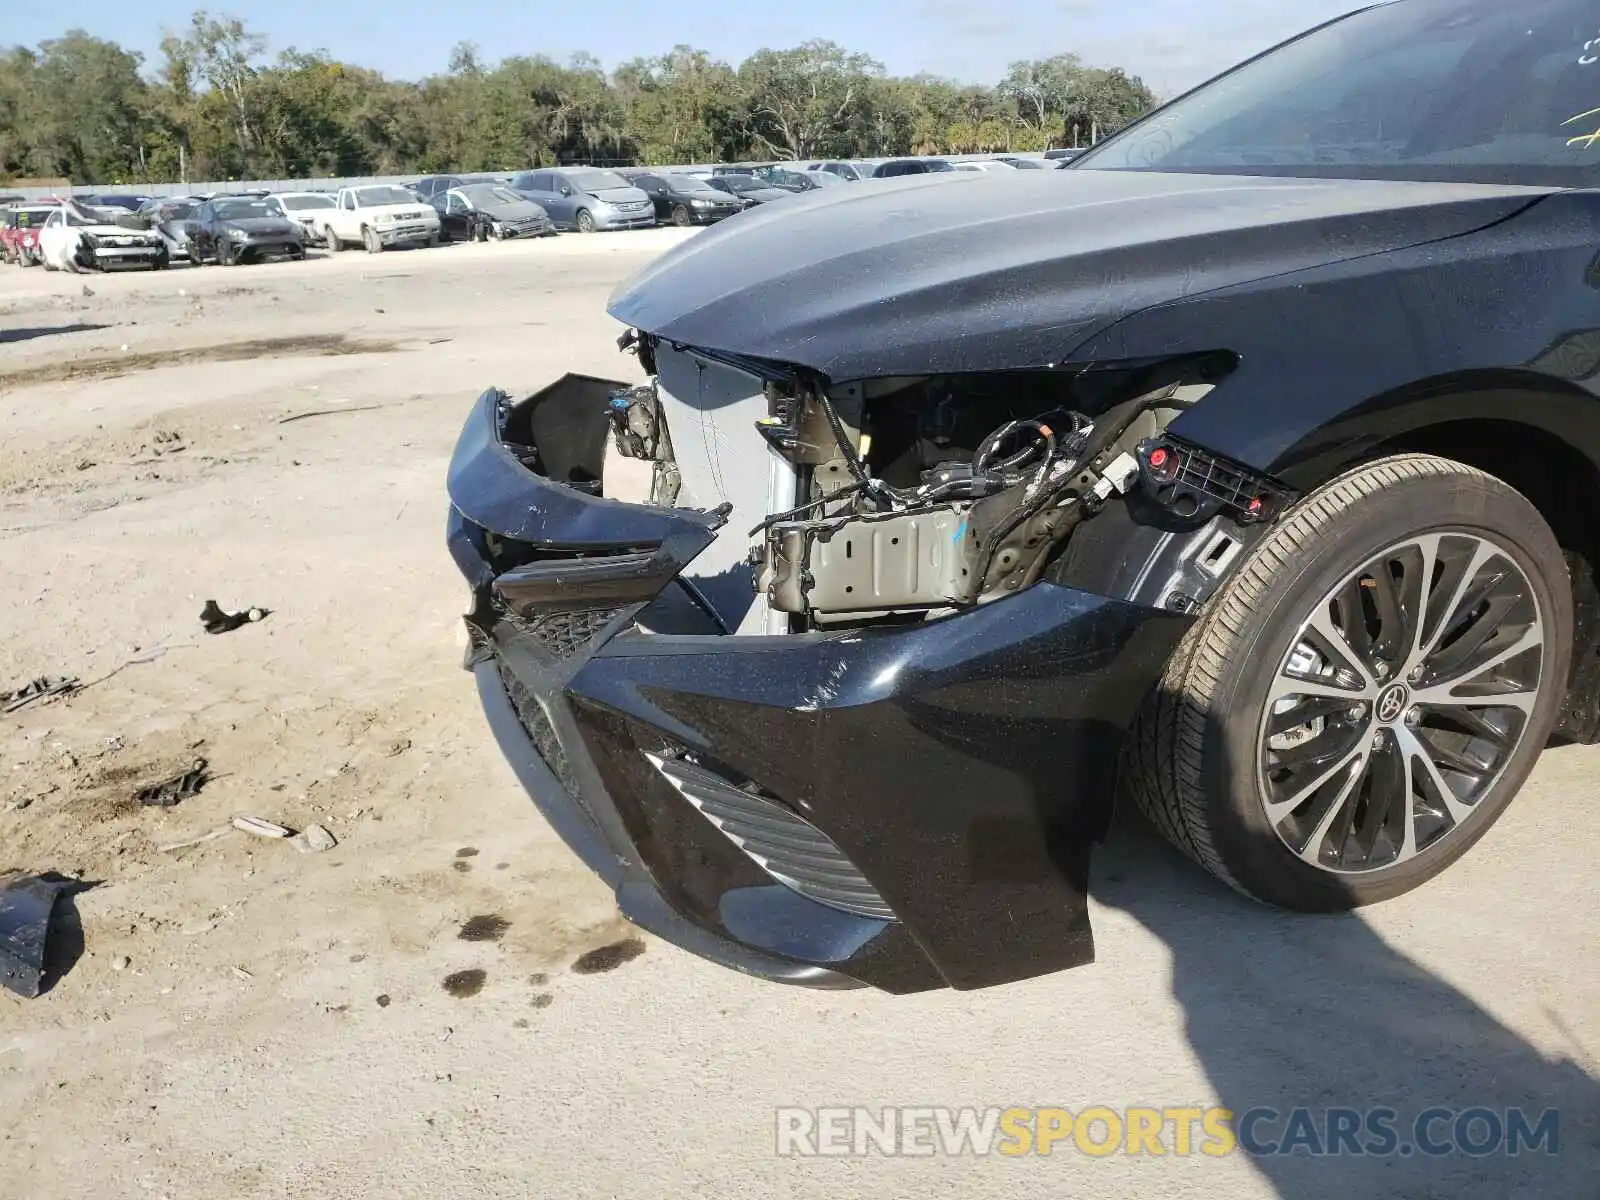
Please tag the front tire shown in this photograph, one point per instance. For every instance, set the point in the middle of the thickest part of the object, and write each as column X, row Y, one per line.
column 370, row 239
column 335, row 244
column 681, row 217
column 1359, row 703
column 585, row 221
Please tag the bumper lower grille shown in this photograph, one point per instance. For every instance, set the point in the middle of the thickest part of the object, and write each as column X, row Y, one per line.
column 563, row 634
column 533, row 719
column 786, row 846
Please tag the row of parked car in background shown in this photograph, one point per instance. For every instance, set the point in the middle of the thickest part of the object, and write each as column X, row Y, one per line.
column 103, row 231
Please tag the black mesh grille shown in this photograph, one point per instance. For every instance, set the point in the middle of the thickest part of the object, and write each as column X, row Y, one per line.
column 563, row 634
column 540, row 730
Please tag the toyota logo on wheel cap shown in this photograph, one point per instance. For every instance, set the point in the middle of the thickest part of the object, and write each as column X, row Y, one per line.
column 1392, row 702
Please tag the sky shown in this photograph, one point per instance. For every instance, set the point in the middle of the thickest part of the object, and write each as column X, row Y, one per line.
column 1173, row 44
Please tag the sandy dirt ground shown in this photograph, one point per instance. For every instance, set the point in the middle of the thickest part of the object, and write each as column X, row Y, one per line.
column 446, row 1004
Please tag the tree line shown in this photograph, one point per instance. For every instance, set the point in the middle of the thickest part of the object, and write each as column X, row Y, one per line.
column 215, row 104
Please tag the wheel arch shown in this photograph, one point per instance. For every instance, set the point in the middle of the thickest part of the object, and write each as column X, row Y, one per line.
column 1537, row 433
column 1559, row 474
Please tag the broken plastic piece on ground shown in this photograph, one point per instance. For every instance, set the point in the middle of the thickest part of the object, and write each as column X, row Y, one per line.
column 217, row 621
column 169, row 791
column 261, row 828
column 315, row 839
column 26, row 905
column 44, row 687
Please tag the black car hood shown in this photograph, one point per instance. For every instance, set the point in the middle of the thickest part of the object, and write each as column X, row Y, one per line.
column 261, row 225
column 976, row 272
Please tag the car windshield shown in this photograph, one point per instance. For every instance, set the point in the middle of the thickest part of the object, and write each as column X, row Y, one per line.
column 370, row 197
column 687, row 183
column 176, row 212
column 595, row 181
column 26, row 218
column 241, row 210
column 1471, row 91
column 1027, row 164
column 300, row 203
column 128, row 202
column 740, row 183
column 824, row 178
column 479, row 194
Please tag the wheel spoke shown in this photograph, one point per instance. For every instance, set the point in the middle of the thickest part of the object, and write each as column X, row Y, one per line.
column 1452, row 659
column 1531, row 637
column 1311, row 852
column 1287, row 685
column 1428, row 642
column 1352, row 622
column 1455, row 760
column 1316, row 752
column 1415, row 750
column 1313, row 708
column 1516, row 696
column 1326, row 635
column 1278, row 810
column 1418, row 593
column 1476, row 724
column 1408, row 814
column 1391, row 619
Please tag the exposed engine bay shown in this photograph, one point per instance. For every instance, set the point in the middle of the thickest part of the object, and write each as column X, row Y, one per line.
column 896, row 499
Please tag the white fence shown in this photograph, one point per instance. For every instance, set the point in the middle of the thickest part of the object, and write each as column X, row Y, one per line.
column 196, row 187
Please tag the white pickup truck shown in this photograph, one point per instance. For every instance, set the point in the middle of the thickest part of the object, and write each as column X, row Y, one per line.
column 378, row 216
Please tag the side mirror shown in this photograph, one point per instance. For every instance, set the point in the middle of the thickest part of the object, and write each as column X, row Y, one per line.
column 565, row 190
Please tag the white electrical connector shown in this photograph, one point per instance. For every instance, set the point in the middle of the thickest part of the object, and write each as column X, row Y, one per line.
column 1119, row 477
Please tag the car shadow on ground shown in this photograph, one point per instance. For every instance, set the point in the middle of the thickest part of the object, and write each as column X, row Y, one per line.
column 27, row 335
column 1288, row 1011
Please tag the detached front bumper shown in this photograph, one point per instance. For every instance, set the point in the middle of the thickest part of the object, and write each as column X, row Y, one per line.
column 908, row 808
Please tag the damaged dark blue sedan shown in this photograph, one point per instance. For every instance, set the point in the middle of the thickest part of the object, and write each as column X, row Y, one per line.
column 1248, row 468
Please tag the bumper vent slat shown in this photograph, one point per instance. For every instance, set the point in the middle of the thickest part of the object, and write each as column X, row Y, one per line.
column 785, row 845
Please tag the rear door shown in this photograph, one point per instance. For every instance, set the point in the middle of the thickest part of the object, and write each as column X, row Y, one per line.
column 546, row 193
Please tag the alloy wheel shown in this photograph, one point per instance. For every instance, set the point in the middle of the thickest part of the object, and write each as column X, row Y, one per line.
column 1405, row 692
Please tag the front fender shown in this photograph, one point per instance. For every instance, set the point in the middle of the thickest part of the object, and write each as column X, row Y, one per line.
column 1503, row 322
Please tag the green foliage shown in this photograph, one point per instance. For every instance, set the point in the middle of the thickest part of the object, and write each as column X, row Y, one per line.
column 216, row 106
